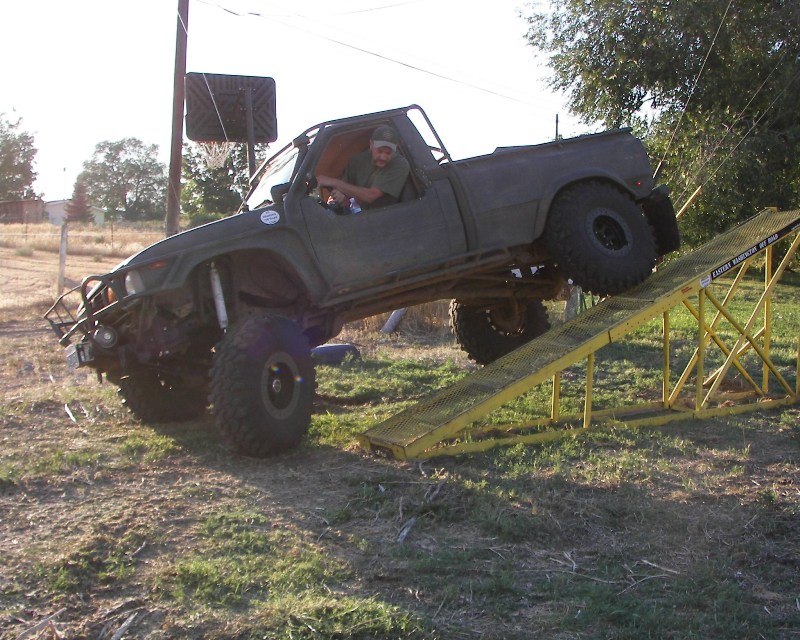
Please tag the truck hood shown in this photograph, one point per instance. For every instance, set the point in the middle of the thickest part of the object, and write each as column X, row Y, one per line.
column 231, row 229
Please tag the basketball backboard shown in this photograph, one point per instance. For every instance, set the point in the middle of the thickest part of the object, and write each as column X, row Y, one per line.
column 217, row 108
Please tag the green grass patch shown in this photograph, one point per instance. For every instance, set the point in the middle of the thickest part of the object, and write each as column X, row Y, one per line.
column 709, row 601
column 108, row 553
column 148, row 447
column 371, row 381
column 287, row 584
column 243, row 559
column 312, row 616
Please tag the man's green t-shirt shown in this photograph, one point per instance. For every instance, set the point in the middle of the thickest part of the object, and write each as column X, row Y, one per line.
column 390, row 179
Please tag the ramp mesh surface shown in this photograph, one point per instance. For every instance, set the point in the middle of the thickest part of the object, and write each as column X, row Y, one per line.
column 716, row 257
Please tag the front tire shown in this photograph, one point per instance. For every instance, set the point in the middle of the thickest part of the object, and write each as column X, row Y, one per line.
column 154, row 398
column 487, row 332
column 600, row 238
column 262, row 385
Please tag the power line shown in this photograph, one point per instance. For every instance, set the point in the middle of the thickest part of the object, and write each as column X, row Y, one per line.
column 361, row 49
column 694, row 86
column 734, row 121
column 372, row 9
column 755, row 123
column 329, row 14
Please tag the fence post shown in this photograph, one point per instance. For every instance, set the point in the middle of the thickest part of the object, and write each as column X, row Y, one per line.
column 573, row 303
column 62, row 260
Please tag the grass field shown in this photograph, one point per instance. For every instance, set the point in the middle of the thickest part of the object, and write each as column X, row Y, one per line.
column 110, row 526
column 116, row 241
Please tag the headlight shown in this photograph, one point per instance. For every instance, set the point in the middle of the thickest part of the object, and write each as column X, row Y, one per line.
column 133, row 282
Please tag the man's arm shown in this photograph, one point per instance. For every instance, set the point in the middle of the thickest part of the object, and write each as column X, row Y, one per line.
column 342, row 190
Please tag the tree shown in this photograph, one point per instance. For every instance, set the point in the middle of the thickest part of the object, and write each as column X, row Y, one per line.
column 78, row 209
column 714, row 87
column 126, row 179
column 212, row 193
column 17, row 155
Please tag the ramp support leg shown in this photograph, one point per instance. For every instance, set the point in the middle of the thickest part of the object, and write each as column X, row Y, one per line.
column 701, row 348
column 767, row 316
column 555, row 403
column 587, row 405
column 666, row 371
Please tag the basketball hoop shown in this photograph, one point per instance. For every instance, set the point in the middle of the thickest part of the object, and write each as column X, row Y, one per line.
column 215, row 153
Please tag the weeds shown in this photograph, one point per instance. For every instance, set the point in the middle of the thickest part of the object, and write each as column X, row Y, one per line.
column 685, row 531
column 106, row 555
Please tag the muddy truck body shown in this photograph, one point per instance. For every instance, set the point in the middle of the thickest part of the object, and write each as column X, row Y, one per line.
column 227, row 313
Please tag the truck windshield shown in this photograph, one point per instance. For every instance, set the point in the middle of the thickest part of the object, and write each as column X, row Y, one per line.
column 277, row 171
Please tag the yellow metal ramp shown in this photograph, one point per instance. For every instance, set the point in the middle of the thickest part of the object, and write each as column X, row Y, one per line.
column 436, row 423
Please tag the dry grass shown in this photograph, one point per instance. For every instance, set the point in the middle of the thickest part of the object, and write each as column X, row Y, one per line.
column 29, row 257
column 119, row 241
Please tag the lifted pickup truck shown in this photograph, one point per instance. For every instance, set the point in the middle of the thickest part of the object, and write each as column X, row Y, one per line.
column 228, row 312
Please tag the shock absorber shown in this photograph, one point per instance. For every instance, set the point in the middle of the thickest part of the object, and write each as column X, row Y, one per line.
column 219, row 297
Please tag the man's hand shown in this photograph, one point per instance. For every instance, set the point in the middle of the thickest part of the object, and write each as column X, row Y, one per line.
column 341, row 190
column 337, row 197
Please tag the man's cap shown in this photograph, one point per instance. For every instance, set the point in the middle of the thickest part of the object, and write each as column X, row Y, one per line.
column 385, row 136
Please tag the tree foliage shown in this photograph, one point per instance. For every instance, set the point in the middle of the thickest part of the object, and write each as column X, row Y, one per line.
column 17, row 155
column 77, row 207
column 126, row 179
column 713, row 86
column 208, row 193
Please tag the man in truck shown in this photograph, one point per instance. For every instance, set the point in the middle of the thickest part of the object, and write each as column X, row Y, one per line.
column 373, row 178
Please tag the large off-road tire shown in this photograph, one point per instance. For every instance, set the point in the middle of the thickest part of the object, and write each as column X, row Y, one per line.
column 486, row 333
column 262, row 385
column 154, row 398
column 600, row 238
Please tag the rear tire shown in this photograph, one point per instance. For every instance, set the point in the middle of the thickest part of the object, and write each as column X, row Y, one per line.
column 600, row 238
column 152, row 398
column 487, row 332
column 262, row 385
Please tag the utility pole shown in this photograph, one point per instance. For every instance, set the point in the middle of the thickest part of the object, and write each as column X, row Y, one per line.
column 178, row 100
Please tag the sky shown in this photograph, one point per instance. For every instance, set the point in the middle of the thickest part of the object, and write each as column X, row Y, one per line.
column 79, row 72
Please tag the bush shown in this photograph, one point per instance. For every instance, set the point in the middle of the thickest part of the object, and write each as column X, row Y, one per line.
column 203, row 218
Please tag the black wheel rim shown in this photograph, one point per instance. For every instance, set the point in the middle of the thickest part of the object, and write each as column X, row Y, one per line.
column 280, row 385
column 508, row 320
column 609, row 232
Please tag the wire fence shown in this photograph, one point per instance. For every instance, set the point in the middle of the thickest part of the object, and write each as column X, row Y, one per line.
column 87, row 240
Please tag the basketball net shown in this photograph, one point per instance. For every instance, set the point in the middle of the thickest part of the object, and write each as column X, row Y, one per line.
column 215, row 153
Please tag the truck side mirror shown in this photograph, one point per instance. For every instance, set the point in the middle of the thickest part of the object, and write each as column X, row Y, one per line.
column 278, row 192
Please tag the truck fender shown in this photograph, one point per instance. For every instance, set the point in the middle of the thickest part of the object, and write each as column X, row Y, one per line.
column 546, row 202
column 261, row 272
column 291, row 261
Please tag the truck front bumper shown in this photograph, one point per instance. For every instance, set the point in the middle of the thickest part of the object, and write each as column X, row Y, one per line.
column 79, row 354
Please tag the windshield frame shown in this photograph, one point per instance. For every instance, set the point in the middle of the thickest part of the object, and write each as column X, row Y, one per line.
column 277, row 170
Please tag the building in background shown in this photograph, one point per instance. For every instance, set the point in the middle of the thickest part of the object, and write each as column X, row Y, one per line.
column 22, row 211
column 55, row 212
